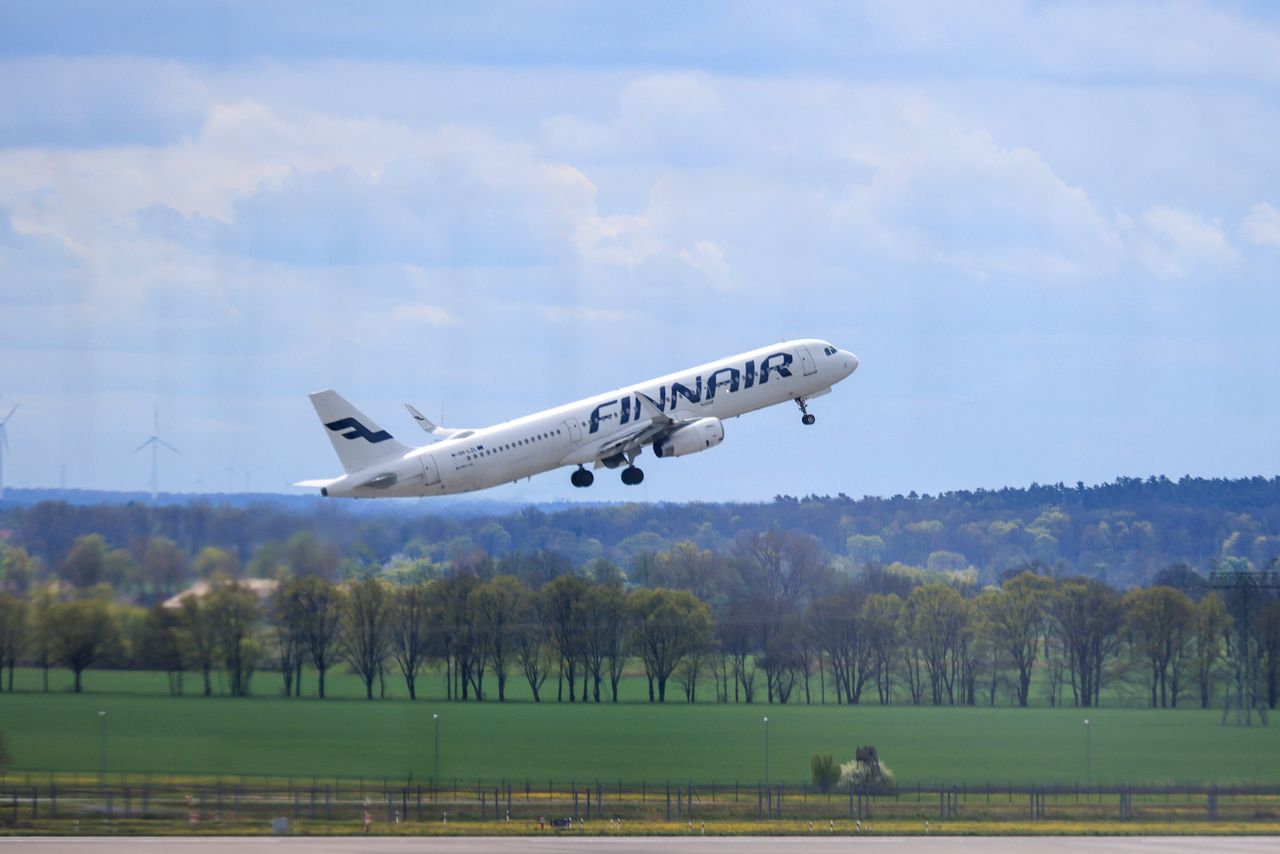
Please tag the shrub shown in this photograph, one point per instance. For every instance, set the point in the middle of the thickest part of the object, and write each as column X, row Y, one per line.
column 865, row 774
column 826, row 773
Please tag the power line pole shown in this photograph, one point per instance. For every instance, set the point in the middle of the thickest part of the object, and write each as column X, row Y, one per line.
column 1244, row 593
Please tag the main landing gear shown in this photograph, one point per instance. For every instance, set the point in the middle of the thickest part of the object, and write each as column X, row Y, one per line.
column 582, row 478
column 806, row 419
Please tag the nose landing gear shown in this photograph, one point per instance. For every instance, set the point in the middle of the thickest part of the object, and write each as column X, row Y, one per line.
column 806, row 419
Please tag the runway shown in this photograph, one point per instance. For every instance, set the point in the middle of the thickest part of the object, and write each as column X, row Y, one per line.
column 646, row 845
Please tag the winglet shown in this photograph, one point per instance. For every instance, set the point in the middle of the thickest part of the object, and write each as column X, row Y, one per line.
column 426, row 425
column 650, row 408
column 434, row 430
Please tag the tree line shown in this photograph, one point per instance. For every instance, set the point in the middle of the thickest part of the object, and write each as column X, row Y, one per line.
column 772, row 618
column 1122, row 532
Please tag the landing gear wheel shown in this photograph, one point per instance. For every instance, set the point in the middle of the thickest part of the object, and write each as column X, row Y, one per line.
column 632, row 475
column 582, row 478
column 806, row 419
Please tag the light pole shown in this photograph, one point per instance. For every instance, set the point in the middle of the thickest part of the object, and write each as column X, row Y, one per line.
column 1088, row 755
column 102, row 749
column 435, row 781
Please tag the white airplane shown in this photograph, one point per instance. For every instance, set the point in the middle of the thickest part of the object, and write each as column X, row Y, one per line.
column 678, row 414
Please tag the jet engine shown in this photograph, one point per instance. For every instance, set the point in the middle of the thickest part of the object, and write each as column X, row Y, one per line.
column 690, row 438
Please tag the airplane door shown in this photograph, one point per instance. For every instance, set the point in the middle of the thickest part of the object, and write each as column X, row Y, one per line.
column 430, row 474
column 807, row 365
column 575, row 432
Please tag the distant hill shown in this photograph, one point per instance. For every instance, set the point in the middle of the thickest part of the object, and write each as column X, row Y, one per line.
column 1124, row 531
column 448, row 505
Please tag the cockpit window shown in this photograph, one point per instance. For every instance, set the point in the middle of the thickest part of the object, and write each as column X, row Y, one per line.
column 830, row 351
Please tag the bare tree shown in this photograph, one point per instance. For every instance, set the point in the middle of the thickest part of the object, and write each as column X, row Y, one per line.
column 495, row 609
column 197, row 637
column 13, row 629
column 40, row 639
column 363, row 629
column 288, row 620
column 603, row 617
column 455, row 635
column 411, row 631
column 534, row 650
column 781, row 565
column 737, row 635
column 320, row 602
column 782, row 650
column 1268, row 642
column 562, row 611
column 837, row 622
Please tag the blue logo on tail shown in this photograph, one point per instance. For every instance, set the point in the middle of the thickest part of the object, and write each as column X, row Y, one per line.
column 357, row 430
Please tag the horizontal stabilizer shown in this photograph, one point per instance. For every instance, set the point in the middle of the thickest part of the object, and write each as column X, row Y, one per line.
column 318, row 484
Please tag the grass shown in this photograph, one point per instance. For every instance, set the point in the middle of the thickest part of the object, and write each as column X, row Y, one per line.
column 66, row 827
column 148, row 731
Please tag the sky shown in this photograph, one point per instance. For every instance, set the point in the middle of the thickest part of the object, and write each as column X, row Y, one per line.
column 1049, row 231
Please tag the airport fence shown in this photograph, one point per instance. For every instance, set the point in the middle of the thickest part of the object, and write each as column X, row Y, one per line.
column 29, row 799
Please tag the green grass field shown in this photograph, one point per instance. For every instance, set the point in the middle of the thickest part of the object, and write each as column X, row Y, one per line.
column 346, row 736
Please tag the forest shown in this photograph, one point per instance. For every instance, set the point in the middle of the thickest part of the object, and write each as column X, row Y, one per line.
column 1050, row 594
column 1122, row 532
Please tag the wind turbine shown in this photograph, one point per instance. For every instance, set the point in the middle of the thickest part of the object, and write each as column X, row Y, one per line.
column 155, row 442
column 231, row 471
column 4, row 444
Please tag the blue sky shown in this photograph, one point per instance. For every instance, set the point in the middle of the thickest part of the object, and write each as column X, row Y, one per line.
column 1050, row 231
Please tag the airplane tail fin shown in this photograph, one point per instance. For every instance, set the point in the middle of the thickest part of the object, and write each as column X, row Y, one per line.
column 358, row 441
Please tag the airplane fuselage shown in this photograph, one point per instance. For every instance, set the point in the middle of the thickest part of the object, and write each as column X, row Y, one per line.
column 607, row 429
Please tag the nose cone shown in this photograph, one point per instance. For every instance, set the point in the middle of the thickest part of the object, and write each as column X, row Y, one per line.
column 849, row 360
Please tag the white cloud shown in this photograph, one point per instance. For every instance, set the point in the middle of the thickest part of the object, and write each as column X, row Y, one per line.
column 708, row 259
column 420, row 313
column 580, row 314
column 939, row 192
column 1261, row 225
column 1173, row 243
column 1179, row 40
column 673, row 119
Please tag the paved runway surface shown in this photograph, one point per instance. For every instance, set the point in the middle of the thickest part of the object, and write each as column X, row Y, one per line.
column 648, row 845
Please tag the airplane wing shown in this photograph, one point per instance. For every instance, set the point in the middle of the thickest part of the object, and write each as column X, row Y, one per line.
column 630, row 440
column 654, row 425
column 433, row 430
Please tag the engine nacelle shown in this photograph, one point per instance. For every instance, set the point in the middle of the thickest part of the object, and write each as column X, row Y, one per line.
column 690, row 438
